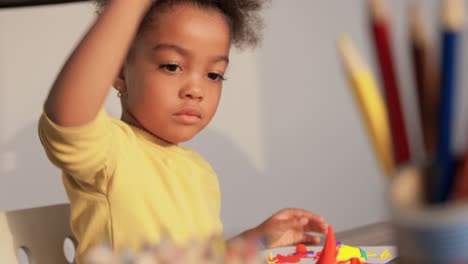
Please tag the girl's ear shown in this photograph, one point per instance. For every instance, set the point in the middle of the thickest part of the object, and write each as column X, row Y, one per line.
column 119, row 82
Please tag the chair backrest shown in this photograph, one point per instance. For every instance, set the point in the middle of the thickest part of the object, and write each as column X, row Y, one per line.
column 38, row 232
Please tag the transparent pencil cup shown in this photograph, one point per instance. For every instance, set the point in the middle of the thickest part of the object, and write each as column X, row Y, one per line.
column 426, row 233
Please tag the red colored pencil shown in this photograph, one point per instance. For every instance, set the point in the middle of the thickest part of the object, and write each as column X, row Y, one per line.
column 381, row 35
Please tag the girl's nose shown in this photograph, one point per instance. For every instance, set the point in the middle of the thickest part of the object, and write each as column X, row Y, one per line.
column 192, row 90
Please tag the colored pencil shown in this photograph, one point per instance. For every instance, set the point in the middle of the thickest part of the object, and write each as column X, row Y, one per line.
column 452, row 23
column 427, row 79
column 460, row 187
column 370, row 102
column 381, row 35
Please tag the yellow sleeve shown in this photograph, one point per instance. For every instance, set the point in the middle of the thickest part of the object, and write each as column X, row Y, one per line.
column 84, row 152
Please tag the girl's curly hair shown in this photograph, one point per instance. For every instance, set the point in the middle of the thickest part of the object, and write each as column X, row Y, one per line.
column 243, row 16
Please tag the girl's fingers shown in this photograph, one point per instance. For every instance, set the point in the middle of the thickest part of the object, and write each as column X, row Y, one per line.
column 309, row 239
column 317, row 226
column 291, row 223
column 299, row 213
column 315, row 222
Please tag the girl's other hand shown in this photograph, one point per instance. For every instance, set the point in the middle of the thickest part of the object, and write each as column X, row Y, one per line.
column 290, row 226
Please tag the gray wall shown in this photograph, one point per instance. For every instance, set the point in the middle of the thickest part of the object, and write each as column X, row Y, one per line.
column 287, row 133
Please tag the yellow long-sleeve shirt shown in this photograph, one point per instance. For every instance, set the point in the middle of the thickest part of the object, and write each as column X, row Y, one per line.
column 127, row 187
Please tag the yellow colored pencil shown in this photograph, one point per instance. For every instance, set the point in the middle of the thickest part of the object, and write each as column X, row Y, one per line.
column 370, row 102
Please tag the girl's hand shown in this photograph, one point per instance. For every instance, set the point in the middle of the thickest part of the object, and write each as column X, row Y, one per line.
column 289, row 226
column 146, row 4
column 149, row 3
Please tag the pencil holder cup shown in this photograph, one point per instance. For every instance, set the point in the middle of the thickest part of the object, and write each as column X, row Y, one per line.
column 426, row 233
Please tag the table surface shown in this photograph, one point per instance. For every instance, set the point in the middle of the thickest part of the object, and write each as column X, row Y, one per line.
column 378, row 234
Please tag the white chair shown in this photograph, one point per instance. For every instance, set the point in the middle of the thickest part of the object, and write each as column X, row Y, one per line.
column 40, row 233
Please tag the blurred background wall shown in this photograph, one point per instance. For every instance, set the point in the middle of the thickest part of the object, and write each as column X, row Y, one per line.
column 287, row 133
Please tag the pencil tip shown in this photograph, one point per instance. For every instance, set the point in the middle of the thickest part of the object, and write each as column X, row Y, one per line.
column 417, row 25
column 453, row 14
column 342, row 39
column 350, row 56
column 377, row 9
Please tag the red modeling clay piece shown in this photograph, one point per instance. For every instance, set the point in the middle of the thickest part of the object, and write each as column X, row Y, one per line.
column 287, row 259
column 355, row 261
column 301, row 248
column 328, row 255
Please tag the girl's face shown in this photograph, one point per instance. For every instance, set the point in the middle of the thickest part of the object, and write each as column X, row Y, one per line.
column 174, row 75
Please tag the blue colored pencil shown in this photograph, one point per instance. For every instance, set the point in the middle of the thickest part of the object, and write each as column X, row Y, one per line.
column 452, row 22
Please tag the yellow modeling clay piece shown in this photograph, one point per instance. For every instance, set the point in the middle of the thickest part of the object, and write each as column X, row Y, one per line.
column 371, row 254
column 270, row 259
column 347, row 252
column 385, row 254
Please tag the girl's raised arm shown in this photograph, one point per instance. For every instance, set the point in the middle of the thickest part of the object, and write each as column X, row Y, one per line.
column 83, row 83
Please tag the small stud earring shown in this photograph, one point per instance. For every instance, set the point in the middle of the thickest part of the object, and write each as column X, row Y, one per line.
column 119, row 94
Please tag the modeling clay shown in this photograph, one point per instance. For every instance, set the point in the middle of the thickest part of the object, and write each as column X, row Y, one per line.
column 333, row 252
column 301, row 248
column 288, row 259
column 338, row 253
column 385, row 254
column 347, row 252
column 270, row 259
column 328, row 255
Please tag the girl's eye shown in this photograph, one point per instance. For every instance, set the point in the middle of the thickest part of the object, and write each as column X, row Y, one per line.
column 170, row 67
column 215, row 76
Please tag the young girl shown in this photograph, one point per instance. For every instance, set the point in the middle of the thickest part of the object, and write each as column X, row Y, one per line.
column 129, row 181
